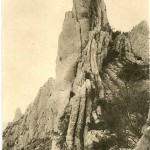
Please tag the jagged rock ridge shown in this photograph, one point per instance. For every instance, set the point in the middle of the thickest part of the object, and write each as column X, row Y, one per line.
column 99, row 99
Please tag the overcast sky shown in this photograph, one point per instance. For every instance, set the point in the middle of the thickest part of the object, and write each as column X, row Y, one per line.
column 30, row 30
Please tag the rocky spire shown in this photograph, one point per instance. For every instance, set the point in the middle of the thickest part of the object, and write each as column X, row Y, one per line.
column 18, row 115
column 84, row 30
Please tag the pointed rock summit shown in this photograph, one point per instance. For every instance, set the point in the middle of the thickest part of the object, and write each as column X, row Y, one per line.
column 99, row 99
column 18, row 115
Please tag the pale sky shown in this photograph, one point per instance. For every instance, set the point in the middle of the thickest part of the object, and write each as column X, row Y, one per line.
column 30, row 31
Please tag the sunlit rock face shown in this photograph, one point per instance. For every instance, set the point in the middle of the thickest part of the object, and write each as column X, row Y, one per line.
column 99, row 99
column 144, row 142
column 138, row 38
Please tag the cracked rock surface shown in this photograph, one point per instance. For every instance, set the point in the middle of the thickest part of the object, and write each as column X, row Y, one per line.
column 99, row 99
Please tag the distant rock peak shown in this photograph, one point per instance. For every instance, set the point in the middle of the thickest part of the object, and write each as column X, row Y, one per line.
column 18, row 115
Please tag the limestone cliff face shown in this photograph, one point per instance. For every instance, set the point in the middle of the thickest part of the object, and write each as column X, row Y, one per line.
column 99, row 99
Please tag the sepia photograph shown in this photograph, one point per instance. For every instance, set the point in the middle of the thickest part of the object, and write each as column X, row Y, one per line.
column 75, row 75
